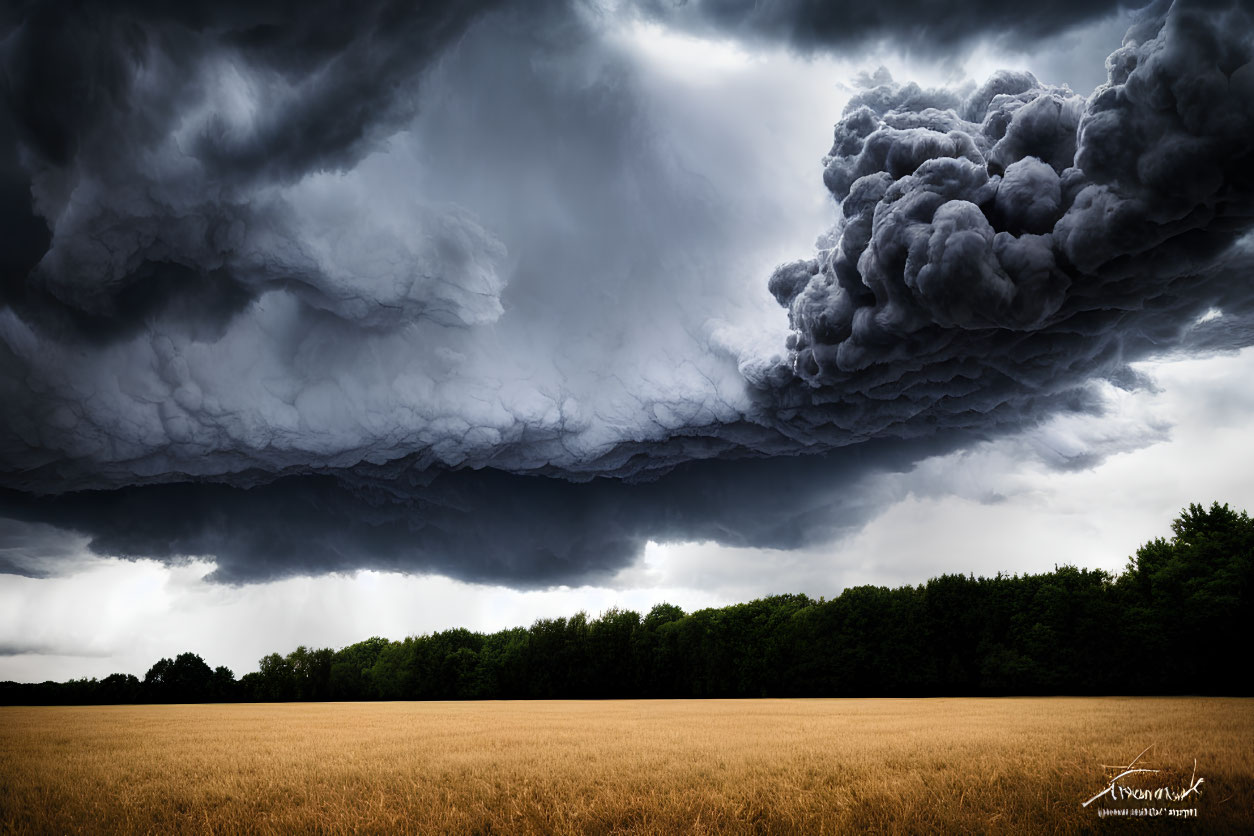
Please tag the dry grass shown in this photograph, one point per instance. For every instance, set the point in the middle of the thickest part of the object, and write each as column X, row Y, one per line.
column 760, row 766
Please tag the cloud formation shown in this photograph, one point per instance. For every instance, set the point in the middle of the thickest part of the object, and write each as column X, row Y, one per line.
column 999, row 248
column 486, row 526
column 917, row 24
column 185, row 158
column 426, row 291
column 342, row 317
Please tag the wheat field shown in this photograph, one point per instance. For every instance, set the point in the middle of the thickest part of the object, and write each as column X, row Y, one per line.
column 735, row 766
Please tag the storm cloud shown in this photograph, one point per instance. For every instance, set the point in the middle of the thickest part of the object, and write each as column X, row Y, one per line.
column 487, row 526
column 916, row 24
column 426, row 291
column 1003, row 246
column 169, row 153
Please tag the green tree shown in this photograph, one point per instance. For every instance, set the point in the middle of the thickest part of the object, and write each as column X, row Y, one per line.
column 275, row 681
column 185, row 678
column 117, row 688
column 350, row 676
column 1191, row 596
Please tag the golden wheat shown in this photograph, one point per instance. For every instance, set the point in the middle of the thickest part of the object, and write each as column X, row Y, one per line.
column 748, row 766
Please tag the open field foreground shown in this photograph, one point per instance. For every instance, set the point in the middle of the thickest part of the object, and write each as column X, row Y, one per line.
column 750, row 766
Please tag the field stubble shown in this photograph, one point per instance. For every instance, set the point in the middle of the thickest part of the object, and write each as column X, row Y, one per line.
column 742, row 766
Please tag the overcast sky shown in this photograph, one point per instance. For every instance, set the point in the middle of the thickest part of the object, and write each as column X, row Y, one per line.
column 314, row 328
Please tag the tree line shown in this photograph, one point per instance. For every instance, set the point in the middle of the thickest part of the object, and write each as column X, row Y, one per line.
column 1169, row 624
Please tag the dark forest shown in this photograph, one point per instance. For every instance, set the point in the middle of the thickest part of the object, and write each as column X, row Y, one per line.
column 1168, row 624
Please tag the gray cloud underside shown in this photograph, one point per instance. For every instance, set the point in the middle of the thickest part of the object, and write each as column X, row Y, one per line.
column 486, row 526
column 916, row 24
column 240, row 334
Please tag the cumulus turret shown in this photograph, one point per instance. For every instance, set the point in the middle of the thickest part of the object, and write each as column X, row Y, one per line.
column 1001, row 248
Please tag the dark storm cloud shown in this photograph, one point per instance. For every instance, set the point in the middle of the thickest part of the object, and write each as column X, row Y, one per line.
column 154, row 138
column 225, row 351
column 43, row 649
column 36, row 550
column 1012, row 243
column 918, row 24
column 485, row 526
column 81, row 86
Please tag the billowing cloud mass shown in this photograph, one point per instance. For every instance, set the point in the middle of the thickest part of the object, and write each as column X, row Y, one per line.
column 179, row 157
column 425, row 290
column 997, row 248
